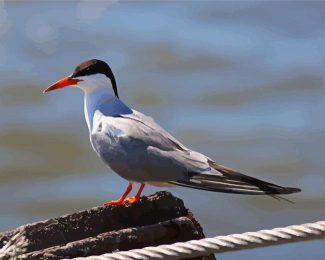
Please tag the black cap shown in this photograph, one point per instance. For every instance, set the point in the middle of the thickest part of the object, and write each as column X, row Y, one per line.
column 91, row 67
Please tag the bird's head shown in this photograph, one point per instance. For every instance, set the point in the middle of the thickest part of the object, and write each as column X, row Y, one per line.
column 88, row 76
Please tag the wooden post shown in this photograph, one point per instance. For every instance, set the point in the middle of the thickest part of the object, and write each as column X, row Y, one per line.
column 157, row 219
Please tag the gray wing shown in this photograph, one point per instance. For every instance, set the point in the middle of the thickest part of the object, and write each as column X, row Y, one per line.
column 153, row 155
column 155, row 128
column 138, row 149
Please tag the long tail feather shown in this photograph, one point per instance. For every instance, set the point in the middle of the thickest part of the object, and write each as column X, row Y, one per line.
column 231, row 181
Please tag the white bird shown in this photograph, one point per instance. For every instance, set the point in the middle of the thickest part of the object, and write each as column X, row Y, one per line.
column 141, row 151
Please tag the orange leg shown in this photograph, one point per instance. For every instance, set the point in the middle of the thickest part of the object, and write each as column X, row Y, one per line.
column 137, row 196
column 120, row 201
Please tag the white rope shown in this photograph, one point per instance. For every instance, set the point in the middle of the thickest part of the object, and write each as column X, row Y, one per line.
column 219, row 244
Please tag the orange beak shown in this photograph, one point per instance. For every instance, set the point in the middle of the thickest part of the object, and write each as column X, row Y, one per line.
column 62, row 83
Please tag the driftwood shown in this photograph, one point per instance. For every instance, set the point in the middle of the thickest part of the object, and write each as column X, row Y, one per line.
column 154, row 220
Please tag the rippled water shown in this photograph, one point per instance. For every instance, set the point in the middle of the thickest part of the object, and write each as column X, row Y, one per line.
column 242, row 82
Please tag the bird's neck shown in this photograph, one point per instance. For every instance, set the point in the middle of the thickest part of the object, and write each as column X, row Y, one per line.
column 104, row 101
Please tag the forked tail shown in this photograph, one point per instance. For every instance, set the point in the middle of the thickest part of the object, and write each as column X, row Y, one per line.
column 231, row 181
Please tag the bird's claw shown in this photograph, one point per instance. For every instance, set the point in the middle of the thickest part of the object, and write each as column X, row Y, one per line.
column 114, row 202
column 131, row 200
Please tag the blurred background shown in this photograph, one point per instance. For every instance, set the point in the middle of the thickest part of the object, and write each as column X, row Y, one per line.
column 242, row 82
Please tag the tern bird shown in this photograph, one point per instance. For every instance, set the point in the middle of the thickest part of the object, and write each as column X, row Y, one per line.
column 141, row 151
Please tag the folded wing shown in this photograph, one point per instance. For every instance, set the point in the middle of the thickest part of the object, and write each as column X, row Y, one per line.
column 232, row 181
column 189, row 168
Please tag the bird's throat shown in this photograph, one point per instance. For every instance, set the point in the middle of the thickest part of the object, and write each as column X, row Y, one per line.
column 104, row 101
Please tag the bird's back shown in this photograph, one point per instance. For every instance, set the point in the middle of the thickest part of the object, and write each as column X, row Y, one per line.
column 139, row 150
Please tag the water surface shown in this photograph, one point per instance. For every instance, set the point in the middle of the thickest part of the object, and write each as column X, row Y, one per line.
column 242, row 82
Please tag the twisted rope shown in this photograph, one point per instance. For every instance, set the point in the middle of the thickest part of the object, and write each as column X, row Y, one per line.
column 219, row 244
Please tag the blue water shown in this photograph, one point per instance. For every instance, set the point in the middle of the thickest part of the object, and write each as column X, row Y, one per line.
column 242, row 82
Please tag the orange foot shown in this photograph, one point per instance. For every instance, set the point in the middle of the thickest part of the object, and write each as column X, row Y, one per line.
column 132, row 200
column 114, row 202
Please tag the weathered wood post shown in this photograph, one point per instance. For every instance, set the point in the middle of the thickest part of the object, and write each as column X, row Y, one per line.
column 157, row 219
